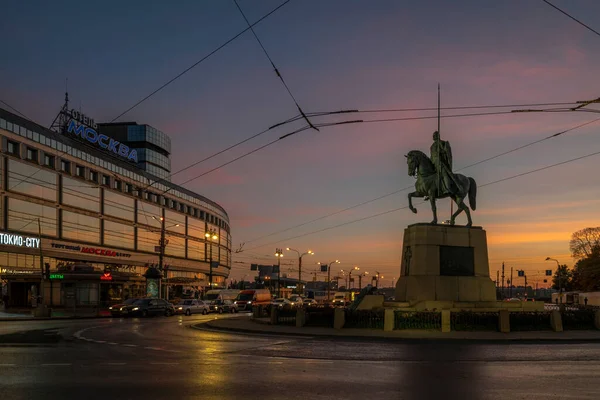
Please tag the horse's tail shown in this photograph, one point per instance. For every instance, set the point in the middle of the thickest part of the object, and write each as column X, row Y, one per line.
column 472, row 194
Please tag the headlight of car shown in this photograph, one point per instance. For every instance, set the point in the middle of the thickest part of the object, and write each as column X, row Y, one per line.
column 110, row 308
column 180, row 308
column 135, row 308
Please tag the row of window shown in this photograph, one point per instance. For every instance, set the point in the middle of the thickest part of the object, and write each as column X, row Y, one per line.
column 24, row 216
column 104, row 163
column 31, row 154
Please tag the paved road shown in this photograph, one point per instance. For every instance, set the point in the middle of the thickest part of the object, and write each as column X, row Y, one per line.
column 163, row 358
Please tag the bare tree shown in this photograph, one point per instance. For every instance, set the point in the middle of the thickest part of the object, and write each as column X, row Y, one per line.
column 584, row 241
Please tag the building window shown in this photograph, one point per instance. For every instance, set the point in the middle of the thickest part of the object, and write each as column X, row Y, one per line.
column 49, row 160
column 80, row 171
column 201, row 214
column 94, row 176
column 117, row 184
column 106, row 180
column 31, row 154
column 13, row 148
column 65, row 166
column 128, row 188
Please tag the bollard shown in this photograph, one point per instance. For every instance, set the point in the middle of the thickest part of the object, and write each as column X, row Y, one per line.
column 446, row 326
column 388, row 319
column 597, row 319
column 339, row 318
column 300, row 317
column 504, row 321
column 556, row 321
column 274, row 312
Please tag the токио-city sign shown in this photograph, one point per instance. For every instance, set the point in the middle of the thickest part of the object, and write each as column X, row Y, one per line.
column 84, row 127
column 9, row 239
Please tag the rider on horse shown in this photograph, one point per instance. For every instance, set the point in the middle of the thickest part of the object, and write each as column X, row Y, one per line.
column 441, row 156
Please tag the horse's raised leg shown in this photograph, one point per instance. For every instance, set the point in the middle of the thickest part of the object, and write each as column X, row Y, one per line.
column 433, row 209
column 410, row 205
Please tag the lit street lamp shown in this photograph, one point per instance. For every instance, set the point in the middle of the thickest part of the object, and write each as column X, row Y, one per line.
column 300, row 287
column 329, row 276
column 360, row 279
column 210, row 236
column 560, row 277
column 162, row 243
column 350, row 276
column 278, row 254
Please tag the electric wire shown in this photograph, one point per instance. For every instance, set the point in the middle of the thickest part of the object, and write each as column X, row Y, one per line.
column 572, row 17
column 164, row 85
column 411, row 186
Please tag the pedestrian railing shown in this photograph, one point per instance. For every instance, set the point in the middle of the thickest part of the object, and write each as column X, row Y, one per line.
column 319, row 317
column 530, row 321
column 474, row 321
column 369, row 319
column 417, row 320
column 286, row 316
column 580, row 319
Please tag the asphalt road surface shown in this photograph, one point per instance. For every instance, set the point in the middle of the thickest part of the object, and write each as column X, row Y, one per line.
column 164, row 358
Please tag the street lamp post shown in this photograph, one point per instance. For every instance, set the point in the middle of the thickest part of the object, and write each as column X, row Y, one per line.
column 329, row 276
column 278, row 254
column 560, row 277
column 360, row 279
column 300, row 287
column 350, row 276
column 162, row 243
column 210, row 236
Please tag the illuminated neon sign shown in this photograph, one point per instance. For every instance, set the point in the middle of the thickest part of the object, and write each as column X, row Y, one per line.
column 57, row 276
column 18, row 240
column 106, row 277
column 83, row 126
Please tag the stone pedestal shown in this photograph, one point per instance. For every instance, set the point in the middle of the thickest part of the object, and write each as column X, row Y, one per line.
column 443, row 265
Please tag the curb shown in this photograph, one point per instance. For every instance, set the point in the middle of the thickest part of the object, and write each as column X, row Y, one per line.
column 506, row 340
column 21, row 319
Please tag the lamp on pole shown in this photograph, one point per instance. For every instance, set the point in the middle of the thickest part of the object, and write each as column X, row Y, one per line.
column 278, row 254
column 210, row 236
column 360, row 279
column 329, row 276
column 300, row 287
column 560, row 277
column 350, row 275
column 162, row 243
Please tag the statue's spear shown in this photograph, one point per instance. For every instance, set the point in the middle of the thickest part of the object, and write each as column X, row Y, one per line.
column 438, row 145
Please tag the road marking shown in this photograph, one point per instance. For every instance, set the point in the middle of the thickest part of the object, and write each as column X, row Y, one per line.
column 113, row 343
column 163, row 363
column 8, row 365
column 131, row 345
column 115, row 363
column 99, row 341
column 56, row 365
column 153, row 348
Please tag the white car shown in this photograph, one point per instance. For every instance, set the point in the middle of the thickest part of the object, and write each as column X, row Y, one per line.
column 192, row 306
column 281, row 302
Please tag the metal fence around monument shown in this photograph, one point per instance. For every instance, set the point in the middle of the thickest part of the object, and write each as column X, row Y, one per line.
column 529, row 321
column 417, row 320
column 286, row 316
column 580, row 319
column 474, row 321
column 319, row 317
column 369, row 319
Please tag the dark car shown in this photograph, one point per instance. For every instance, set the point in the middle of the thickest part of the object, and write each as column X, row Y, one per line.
column 148, row 307
column 116, row 310
column 221, row 306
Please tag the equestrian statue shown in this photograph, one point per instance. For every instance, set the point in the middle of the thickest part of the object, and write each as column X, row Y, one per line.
column 435, row 180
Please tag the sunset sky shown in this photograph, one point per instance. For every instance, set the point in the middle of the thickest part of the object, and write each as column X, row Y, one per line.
column 336, row 55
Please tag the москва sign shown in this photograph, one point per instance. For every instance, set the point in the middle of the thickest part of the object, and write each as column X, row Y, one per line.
column 80, row 125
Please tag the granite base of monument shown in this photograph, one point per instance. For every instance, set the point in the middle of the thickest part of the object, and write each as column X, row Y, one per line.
column 445, row 267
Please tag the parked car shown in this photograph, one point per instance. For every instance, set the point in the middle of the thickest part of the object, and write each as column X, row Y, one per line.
column 296, row 299
column 116, row 310
column 148, row 307
column 221, row 306
column 192, row 306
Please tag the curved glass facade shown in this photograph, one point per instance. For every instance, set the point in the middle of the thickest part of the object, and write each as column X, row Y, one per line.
column 147, row 133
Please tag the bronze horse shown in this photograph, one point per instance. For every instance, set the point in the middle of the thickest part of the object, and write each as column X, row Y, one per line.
column 420, row 165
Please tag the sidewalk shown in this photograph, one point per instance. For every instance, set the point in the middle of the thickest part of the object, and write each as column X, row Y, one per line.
column 247, row 325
